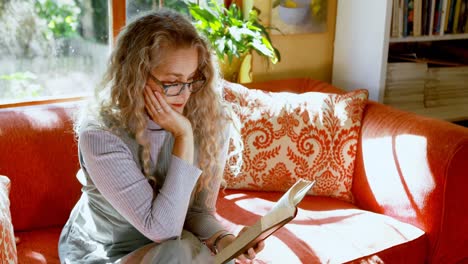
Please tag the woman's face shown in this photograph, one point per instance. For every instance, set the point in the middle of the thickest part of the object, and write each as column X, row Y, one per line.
column 177, row 66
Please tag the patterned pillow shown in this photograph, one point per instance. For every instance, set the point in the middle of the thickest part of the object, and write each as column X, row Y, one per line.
column 7, row 238
column 288, row 136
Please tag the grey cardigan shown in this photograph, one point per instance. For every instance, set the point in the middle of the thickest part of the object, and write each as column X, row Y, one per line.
column 117, row 214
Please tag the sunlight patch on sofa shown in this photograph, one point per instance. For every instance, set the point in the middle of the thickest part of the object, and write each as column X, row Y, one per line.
column 36, row 257
column 235, row 196
column 42, row 118
column 398, row 172
column 255, row 205
column 277, row 251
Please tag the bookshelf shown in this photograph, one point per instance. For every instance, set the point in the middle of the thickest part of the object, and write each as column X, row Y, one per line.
column 361, row 53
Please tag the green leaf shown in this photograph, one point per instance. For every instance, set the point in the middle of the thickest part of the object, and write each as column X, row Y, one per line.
column 230, row 33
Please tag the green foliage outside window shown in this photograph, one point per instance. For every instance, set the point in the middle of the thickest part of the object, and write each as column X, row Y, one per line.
column 61, row 16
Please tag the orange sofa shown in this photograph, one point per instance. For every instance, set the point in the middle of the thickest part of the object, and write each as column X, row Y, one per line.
column 409, row 188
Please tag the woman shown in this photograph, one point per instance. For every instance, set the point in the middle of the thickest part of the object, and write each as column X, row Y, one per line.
column 152, row 153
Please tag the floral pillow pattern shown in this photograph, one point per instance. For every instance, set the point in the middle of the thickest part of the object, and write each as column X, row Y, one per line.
column 7, row 238
column 288, row 136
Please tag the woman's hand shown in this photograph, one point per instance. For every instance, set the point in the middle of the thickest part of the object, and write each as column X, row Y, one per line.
column 169, row 119
column 163, row 114
column 249, row 255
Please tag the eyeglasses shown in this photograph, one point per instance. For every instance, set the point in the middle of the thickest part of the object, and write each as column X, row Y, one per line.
column 174, row 89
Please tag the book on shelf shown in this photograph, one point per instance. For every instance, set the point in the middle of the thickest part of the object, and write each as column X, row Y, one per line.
column 394, row 23
column 451, row 15
column 406, row 17
column 405, row 84
column 417, row 17
column 401, row 14
column 446, row 86
column 410, row 20
column 437, row 17
column 465, row 29
column 426, row 11
column 463, row 17
column 456, row 16
column 443, row 14
column 436, row 101
column 397, row 14
column 428, row 17
column 447, row 15
column 431, row 16
column 282, row 212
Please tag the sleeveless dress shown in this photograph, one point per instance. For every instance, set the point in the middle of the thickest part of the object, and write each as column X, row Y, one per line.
column 117, row 213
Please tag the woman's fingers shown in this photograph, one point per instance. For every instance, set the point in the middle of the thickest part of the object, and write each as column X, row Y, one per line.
column 162, row 103
column 151, row 102
column 251, row 253
column 242, row 259
column 260, row 246
column 163, row 114
column 247, row 257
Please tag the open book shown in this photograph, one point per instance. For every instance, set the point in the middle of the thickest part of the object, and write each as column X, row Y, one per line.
column 282, row 212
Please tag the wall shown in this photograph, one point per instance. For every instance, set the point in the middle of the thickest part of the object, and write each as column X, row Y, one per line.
column 302, row 55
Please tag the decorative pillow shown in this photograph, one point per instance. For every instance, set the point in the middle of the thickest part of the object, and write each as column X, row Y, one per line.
column 7, row 238
column 288, row 136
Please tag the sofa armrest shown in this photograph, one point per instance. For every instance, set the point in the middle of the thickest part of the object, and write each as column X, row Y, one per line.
column 414, row 168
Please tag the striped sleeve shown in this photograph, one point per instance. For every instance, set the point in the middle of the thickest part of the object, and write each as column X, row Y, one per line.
column 111, row 166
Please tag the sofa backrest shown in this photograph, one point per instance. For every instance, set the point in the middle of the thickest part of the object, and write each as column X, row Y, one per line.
column 298, row 85
column 38, row 152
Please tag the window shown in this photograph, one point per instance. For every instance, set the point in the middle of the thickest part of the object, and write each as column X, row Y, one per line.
column 52, row 48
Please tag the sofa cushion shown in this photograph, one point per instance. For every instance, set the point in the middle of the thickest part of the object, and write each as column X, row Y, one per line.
column 325, row 230
column 39, row 246
column 288, row 136
column 7, row 238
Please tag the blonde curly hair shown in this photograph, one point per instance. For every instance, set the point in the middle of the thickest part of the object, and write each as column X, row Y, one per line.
column 138, row 50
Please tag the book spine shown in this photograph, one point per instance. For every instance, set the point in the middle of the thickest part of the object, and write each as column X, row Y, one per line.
column 426, row 16
column 466, row 19
column 410, row 23
column 447, row 16
column 456, row 17
column 437, row 11
column 431, row 16
column 395, row 18
column 400, row 17
column 405, row 18
column 451, row 15
column 443, row 14
column 463, row 16
column 417, row 18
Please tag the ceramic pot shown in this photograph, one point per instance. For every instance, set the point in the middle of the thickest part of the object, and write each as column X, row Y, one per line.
column 230, row 70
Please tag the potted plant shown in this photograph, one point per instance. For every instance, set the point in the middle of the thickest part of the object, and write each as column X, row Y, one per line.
column 233, row 35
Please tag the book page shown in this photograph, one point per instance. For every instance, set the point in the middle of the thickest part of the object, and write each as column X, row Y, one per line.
column 276, row 216
column 294, row 195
